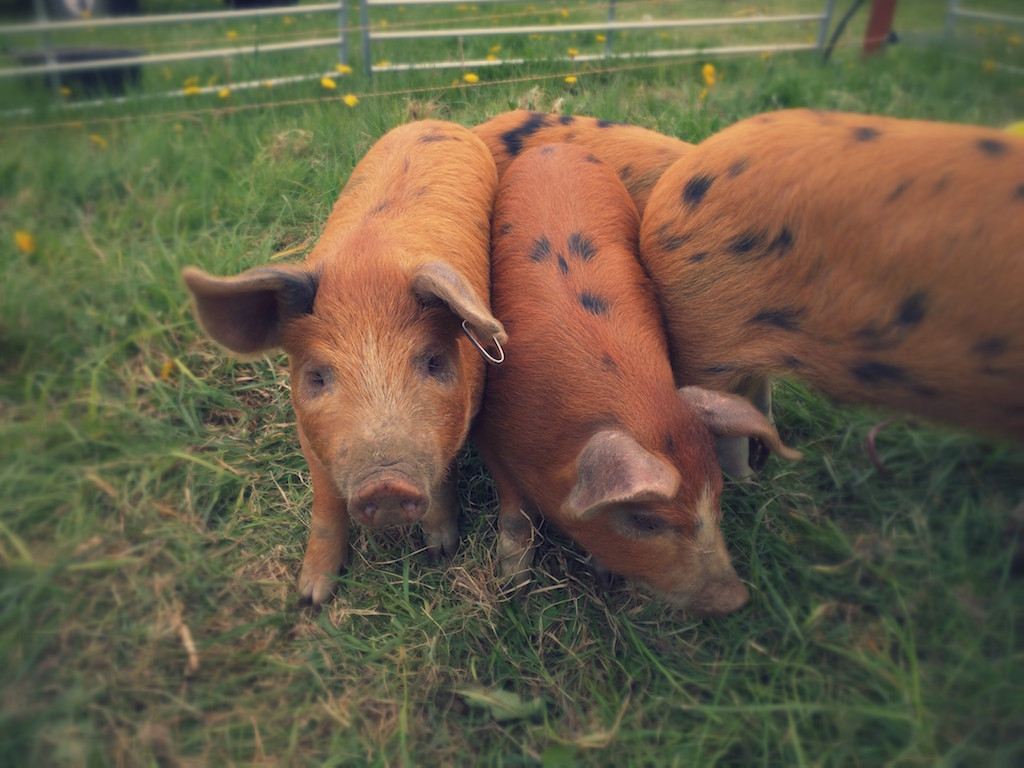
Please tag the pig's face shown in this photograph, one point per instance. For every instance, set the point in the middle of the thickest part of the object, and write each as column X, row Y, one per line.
column 384, row 382
column 640, row 517
column 384, row 387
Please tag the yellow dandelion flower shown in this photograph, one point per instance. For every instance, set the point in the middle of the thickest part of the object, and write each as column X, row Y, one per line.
column 565, row 14
column 224, row 93
column 328, row 83
column 383, row 63
column 190, row 81
column 268, row 83
column 469, row 77
column 573, row 53
column 98, row 140
column 708, row 72
column 178, row 128
column 766, row 56
column 495, row 48
column 1016, row 128
column 288, row 21
column 383, row 22
column 703, row 94
column 65, row 91
column 989, row 65
column 211, row 80
column 192, row 90
column 345, row 69
column 25, row 241
column 350, row 99
column 167, row 370
column 570, row 79
column 462, row 8
column 232, row 34
column 600, row 38
column 491, row 57
column 1014, row 39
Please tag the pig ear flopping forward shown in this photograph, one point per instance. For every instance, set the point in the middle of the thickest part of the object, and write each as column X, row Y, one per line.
column 437, row 281
column 727, row 415
column 245, row 313
column 613, row 468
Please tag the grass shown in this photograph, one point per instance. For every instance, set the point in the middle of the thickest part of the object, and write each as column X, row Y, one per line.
column 153, row 494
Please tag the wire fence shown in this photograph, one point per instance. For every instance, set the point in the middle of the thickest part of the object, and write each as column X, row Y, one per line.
column 436, row 35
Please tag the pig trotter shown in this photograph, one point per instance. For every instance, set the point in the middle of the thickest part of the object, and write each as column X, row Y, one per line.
column 516, row 543
column 441, row 524
column 325, row 557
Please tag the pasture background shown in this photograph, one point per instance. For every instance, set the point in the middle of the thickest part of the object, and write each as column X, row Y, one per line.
column 149, row 483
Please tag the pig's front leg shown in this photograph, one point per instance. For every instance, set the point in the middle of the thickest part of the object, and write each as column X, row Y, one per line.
column 327, row 550
column 517, row 536
column 440, row 524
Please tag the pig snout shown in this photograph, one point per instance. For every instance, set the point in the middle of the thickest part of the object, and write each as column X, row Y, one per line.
column 389, row 500
column 719, row 597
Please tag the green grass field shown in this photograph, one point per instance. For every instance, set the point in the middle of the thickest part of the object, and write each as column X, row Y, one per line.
column 154, row 505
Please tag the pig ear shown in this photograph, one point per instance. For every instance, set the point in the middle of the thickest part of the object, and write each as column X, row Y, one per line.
column 728, row 415
column 245, row 313
column 613, row 468
column 436, row 281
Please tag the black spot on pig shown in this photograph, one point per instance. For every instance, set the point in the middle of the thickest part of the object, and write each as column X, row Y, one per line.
column 696, row 188
column 668, row 241
column 670, row 444
column 721, row 368
column 563, row 265
column 900, row 189
column 541, row 250
column 608, row 123
column 866, row 133
column 913, row 309
column 609, row 363
column 547, row 149
column 592, row 159
column 782, row 244
column 876, row 373
column 595, row 305
column 1020, row 192
column 942, row 183
column 513, row 140
column 581, row 246
column 566, row 119
column 738, row 167
column 993, row 147
column 435, row 137
column 793, row 363
column 625, row 173
column 993, row 346
column 506, row 228
column 785, row 319
column 746, row 243
column 697, row 258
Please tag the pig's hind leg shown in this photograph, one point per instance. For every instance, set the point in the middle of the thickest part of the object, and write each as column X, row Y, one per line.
column 517, row 534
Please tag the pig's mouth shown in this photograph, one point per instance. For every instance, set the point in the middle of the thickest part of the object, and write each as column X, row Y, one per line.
column 387, row 498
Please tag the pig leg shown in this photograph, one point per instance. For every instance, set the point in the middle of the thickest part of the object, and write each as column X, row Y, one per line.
column 440, row 524
column 517, row 535
column 742, row 457
column 327, row 550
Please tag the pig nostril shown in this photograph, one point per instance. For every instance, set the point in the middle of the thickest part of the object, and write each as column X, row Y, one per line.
column 410, row 506
column 368, row 510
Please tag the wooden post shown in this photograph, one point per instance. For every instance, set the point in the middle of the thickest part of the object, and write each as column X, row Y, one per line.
column 879, row 26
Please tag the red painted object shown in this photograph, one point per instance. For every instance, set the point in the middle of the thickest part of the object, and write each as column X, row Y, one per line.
column 879, row 25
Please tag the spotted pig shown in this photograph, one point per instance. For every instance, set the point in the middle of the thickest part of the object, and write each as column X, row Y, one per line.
column 582, row 424
column 383, row 380
column 637, row 155
column 880, row 260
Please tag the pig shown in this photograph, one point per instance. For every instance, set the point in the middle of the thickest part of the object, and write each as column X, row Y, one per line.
column 582, row 424
column 879, row 260
column 639, row 156
column 381, row 324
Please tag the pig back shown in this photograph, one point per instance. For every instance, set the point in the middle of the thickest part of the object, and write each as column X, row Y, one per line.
column 425, row 189
column 881, row 260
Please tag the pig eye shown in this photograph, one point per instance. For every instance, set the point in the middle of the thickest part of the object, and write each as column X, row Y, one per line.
column 434, row 364
column 637, row 523
column 317, row 380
